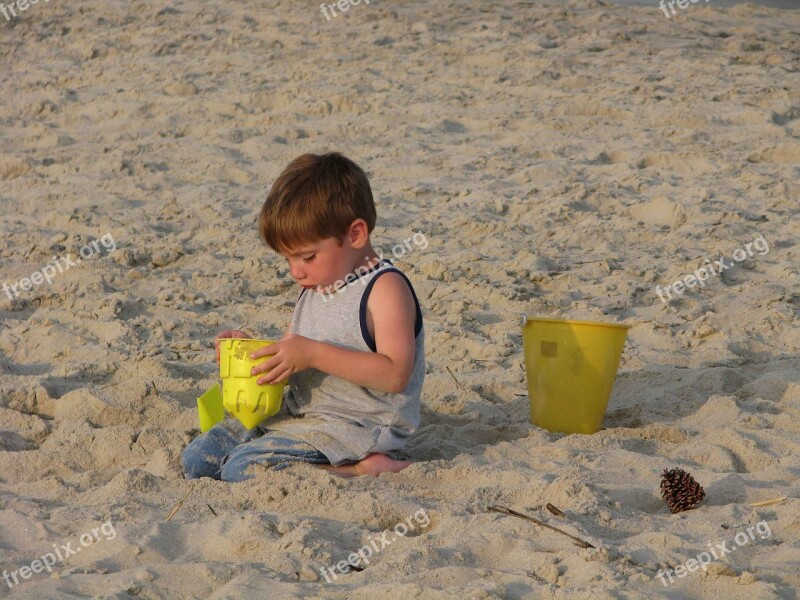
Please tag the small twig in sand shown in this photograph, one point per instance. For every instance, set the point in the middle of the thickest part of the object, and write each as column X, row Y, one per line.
column 458, row 383
column 556, row 511
column 179, row 504
column 519, row 572
column 768, row 502
column 507, row 511
column 155, row 390
column 211, row 509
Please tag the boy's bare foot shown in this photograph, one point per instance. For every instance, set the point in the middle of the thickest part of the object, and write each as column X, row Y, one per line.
column 372, row 464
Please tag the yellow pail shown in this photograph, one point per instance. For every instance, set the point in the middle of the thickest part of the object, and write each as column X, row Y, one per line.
column 245, row 399
column 571, row 367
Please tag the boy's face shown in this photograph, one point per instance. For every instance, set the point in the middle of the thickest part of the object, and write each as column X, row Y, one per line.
column 322, row 263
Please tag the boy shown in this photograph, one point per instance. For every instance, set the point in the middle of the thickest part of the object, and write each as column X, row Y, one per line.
column 354, row 351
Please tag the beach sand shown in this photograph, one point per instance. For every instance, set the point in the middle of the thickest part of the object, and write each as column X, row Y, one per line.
column 561, row 159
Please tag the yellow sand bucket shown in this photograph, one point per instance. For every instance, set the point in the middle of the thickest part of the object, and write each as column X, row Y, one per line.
column 571, row 367
column 245, row 399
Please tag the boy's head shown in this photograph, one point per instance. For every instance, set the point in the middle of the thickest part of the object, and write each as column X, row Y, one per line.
column 315, row 197
column 319, row 214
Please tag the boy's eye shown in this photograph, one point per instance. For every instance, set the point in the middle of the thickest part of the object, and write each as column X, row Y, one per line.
column 308, row 259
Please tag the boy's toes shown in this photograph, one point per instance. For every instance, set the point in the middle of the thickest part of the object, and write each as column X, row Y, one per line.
column 375, row 464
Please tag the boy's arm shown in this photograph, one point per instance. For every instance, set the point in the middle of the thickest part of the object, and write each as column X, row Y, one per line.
column 392, row 311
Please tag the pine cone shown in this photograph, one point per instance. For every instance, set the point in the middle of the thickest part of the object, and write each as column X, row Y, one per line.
column 680, row 490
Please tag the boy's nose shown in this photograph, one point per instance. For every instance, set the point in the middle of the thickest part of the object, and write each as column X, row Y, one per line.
column 297, row 272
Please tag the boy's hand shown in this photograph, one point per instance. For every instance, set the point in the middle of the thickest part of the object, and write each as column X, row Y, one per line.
column 292, row 354
column 230, row 333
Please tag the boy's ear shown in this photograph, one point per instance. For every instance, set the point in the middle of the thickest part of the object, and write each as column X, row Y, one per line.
column 358, row 233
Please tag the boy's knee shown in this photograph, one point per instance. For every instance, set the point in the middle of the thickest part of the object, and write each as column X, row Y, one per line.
column 193, row 465
column 191, row 468
column 197, row 463
column 233, row 467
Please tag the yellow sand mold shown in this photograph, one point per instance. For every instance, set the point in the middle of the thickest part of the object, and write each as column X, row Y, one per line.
column 245, row 399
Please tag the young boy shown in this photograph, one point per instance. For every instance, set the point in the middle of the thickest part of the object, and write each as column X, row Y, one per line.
column 354, row 351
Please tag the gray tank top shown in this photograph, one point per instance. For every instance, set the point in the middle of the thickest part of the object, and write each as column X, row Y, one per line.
column 343, row 420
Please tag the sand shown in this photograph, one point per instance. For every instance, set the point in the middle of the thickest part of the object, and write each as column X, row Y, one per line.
column 561, row 159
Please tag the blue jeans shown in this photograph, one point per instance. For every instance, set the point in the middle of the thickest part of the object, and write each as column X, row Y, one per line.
column 227, row 449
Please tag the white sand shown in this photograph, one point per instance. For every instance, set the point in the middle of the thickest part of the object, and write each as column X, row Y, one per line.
column 561, row 159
